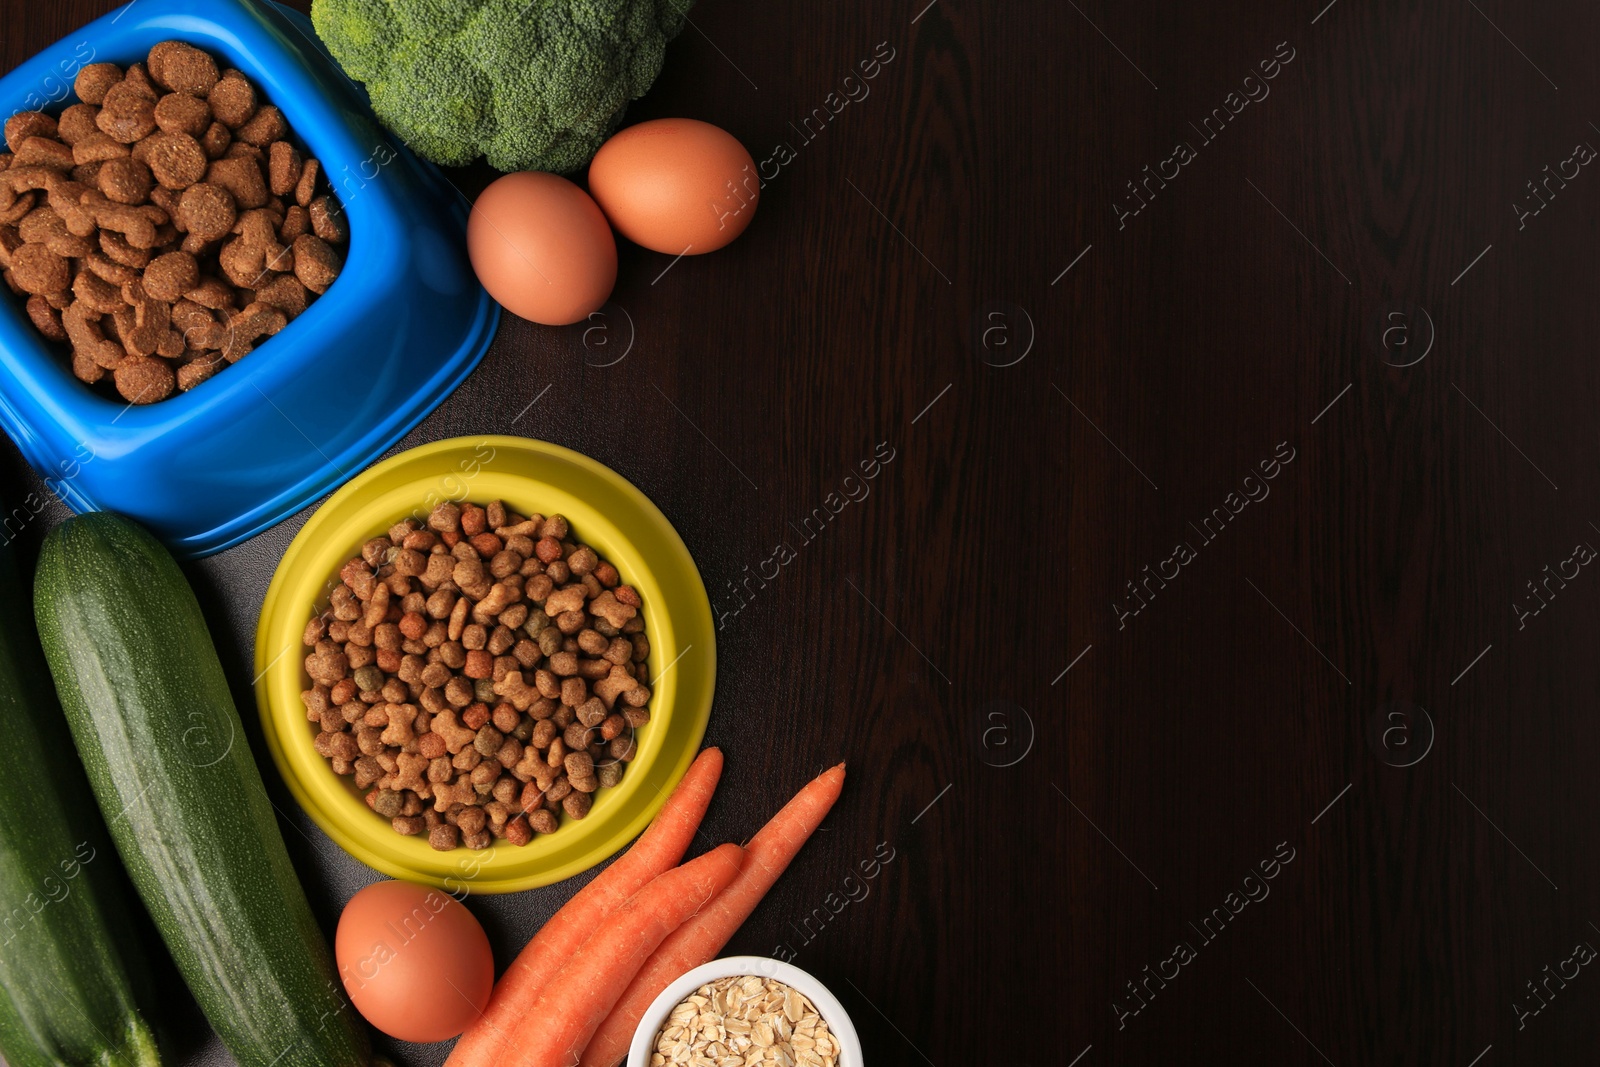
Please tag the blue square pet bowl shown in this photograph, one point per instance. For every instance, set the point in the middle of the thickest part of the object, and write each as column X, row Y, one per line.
column 404, row 323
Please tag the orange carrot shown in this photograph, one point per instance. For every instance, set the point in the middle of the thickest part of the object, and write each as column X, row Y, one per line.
column 701, row 938
column 560, row 1022
column 658, row 850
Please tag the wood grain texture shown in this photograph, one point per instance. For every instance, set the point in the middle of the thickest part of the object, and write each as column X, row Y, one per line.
column 1081, row 820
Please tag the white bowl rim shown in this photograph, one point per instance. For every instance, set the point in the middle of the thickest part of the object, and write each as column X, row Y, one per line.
column 827, row 1004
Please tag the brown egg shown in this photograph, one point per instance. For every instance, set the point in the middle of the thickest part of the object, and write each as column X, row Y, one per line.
column 676, row 185
column 542, row 248
column 415, row 962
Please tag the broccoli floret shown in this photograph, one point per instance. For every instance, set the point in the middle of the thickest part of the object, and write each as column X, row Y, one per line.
column 531, row 84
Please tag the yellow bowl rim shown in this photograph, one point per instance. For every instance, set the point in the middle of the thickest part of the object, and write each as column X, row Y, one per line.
column 332, row 802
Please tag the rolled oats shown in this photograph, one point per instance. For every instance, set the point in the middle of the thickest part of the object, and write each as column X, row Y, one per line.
column 744, row 1021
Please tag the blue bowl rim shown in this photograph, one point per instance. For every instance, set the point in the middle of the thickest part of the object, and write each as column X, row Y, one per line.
column 329, row 142
column 258, row 39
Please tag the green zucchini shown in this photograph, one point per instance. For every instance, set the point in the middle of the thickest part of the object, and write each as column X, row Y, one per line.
column 67, row 967
column 157, row 729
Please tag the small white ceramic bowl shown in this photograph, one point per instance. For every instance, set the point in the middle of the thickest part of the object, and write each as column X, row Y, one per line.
column 827, row 1004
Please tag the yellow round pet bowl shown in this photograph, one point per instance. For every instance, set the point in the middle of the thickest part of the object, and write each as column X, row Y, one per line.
column 530, row 476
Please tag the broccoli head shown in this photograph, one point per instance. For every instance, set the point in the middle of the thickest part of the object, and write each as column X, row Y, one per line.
column 531, row 84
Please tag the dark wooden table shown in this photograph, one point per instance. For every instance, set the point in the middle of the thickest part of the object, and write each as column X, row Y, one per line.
column 1184, row 654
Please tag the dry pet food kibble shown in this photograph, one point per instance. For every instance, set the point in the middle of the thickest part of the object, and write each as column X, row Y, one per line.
column 478, row 674
column 163, row 227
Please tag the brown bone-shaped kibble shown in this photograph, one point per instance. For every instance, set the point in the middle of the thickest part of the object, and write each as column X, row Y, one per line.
column 110, row 270
column 399, row 730
column 564, row 600
column 258, row 227
column 532, row 763
column 93, row 210
column 609, row 608
column 100, row 295
column 242, row 263
column 146, row 322
column 88, row 341
column 501, row 596
column 200, row 328
column 123, row 325
column 211, row 293
column 97, row 148
column 19, row 207
column 409, row 769
column 45, row 318
column 114, row 245
column 168, row 200
column 43, row 226
column 514, row 689
column 66, row 200
column 327, row 664
column 448, row 726
column 22, row 179
column 615, row 684
column 525, row 528
column 44, row 152
column 447, row 794
column 287, row 295
column 242, row 178
column 202, row 367
column 248, row 326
